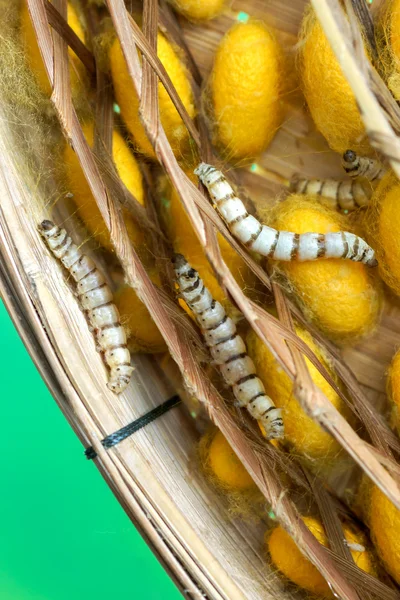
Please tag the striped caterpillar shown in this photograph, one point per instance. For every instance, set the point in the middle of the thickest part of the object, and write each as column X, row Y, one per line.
column 346, row 195
column 362, row 166
column 96, row 300
column 279, row 245
column 228, row 349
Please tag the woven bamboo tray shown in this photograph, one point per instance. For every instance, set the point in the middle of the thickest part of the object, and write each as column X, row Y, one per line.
column 188, row 525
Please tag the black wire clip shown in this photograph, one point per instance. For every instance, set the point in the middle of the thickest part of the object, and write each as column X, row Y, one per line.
column 115, row 438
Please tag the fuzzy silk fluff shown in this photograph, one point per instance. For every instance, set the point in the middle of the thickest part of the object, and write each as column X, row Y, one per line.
column 286, row 556
column 128, row 170
column 329, row 97
column 129, row 103
column 34, row 58
column 245, row 86
column 340, row 296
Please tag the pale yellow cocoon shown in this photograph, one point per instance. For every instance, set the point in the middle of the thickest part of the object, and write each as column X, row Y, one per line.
column 288, row 559
column 329, row 97
column 127, row 98
column 341, row 297
column 129, row 172
column 186, row 242
column 245, row 87
column 304, row 436
column 225, row 465
column 382, row 222
column 198, row 10
column 34, row 58
column 143, row 334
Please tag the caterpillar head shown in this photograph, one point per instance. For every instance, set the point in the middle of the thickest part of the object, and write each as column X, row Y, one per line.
column 207, row 173
column 46, row 228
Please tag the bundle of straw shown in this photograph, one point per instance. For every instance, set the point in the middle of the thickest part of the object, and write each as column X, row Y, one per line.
column 182, row 518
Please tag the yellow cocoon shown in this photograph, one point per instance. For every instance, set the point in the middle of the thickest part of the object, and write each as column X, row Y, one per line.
column 288, row 559
column 129, row 104
column 186, row 242
column 304, row 435
column 198, row 10
column 329, row 97
column 128, row 170
column 225, row 465
column 384, row 523
column 143, row 334
column 77, row 69
column 393, row 389
column 340, row 296
column 382, row 221
column 245, row 85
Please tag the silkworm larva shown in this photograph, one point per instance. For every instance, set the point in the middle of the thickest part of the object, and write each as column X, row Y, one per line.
column 228, row 349
column 279, row 245
column 96, row 300
column 345, row 194
column 362, row 166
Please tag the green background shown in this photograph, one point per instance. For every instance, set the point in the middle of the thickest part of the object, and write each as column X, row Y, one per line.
column 63, row 536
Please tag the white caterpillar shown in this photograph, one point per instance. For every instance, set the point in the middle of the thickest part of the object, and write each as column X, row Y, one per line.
column 345, row 194
column 362, row 166
column 97, row 301
column 228, row 349
column 279, row 245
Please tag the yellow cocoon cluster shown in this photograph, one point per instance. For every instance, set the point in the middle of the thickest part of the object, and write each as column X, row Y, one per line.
column 143, row 334
column 225, row 465
column 198, row 10
column 77, row 69
column 329, row 97
column 245, row 84
column 382, row 221
column 186, row 242
column 340, row 296
column 295, row 566
column 127, row 98
column 304, row 435
column 128, row 170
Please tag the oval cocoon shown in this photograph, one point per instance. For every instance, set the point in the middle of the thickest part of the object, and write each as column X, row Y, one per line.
column 393, row 389
column 225, row 465
column 305, row 437
column 185, row 242
column 329, row 97
column 127, row 98
column 143, row 334
column 245, row 85
column 198, row 10
column 288, row 559
column 32, row 52
column 382, row 221
column 341, row 297
column 384, row 523
column 128, row 170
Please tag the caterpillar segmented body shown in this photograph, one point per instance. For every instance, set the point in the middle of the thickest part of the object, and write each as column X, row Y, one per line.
column 96, row 299
column 228, row 349
column 362, row 166
column 345, row 194
column 279, row 245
